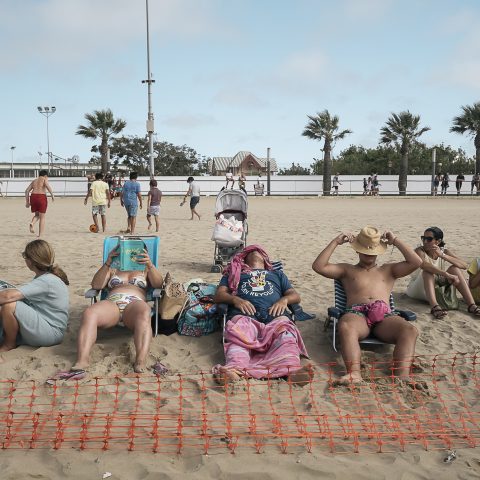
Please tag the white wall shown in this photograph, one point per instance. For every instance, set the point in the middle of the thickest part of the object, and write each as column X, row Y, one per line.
column 280, row 185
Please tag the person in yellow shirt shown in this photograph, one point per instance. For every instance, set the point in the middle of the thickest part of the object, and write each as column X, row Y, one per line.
column 100, row 193
column 474, row 279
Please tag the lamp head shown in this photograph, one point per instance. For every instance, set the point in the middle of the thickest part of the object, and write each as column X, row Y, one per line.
column 47, row 109
column 39, row 109
column 53, row 109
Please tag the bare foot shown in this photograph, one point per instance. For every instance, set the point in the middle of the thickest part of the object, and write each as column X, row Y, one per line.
column 79, row 366
column 224, row 376
column 30, row 226
column 5, row 347
column 302, row 376
column 139, row 368
column 149, row 226
column 354, row 378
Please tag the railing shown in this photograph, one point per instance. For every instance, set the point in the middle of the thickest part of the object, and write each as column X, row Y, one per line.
column 308, row 185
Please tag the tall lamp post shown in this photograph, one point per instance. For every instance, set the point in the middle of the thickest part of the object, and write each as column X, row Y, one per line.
column 150, row 121
column 47, row 112
column 12, row 148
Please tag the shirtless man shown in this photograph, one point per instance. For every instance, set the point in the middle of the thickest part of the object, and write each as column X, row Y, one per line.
column 36, row 198
column 368, row 287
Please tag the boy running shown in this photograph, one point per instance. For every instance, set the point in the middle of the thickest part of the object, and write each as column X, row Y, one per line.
column 36, row 199
column 153, row 204
column 100, row 193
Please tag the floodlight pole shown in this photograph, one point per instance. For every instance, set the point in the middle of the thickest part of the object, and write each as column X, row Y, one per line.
column 268, row 171
column 434, row 160
column 150, row 121
column 12, row 148
column 47, row 112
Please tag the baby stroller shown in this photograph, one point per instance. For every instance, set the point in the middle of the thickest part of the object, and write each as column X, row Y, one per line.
column 230, row 232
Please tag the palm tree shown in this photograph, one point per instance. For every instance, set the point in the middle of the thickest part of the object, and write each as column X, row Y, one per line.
column 325, row 127
column 402, row 129
column 469, row 123
column 101, row 125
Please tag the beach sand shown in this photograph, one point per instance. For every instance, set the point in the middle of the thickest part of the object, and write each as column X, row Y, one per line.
column 293, row 230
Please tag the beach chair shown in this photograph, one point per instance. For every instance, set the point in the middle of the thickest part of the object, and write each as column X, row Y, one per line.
column 152, row 243
column 334, row 314
column 296, row 310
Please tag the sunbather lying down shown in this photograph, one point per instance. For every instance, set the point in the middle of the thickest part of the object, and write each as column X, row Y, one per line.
column 368, row 287
column 261, row 339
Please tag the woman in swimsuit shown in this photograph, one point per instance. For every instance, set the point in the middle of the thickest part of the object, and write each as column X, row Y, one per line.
column 125, row 305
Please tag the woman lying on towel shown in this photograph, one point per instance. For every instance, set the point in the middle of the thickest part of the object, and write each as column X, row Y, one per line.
column 261, row 341
column 36, row 313
column 125, row 305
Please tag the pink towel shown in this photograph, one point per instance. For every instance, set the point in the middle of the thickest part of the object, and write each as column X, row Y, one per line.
column 237, row 265
column 271, row 350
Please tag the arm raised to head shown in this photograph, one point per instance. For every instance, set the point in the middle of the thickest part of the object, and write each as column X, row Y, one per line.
column 322, row 263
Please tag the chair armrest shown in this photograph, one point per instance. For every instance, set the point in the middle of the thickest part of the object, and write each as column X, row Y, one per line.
column 222, row 308
column 299, row 314
column 407, row 315
column 157, row 292
column 335, row 312
column 92, row 293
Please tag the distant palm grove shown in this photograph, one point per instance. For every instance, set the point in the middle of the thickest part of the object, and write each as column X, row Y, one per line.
column 399, row 152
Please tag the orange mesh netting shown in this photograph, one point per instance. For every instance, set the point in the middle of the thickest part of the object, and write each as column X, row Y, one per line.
column 192, row 414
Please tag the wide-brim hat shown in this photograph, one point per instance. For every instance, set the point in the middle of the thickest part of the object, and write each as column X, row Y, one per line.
column 369, row 242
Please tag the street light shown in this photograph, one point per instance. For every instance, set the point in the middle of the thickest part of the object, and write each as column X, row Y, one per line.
column 12, row 148
column 47, row 112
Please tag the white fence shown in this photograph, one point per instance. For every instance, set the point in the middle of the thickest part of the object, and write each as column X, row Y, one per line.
column 280, row 185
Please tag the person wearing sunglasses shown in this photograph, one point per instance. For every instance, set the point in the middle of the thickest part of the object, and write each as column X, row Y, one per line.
column 439, row 276
column 36, row 313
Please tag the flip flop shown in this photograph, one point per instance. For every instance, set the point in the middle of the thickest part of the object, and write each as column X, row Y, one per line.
column 76, row 374
column 475, row 310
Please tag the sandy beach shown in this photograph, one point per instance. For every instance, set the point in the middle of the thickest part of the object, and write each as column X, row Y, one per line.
column 293, row 230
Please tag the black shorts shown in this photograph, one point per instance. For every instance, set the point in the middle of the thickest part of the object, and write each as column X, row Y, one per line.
column 194, row 201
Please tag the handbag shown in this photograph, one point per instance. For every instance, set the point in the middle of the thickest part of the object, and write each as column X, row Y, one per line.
column 170, row 305
column 446, row 294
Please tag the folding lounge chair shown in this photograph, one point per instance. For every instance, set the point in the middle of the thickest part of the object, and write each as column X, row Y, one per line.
column 152, row 243
column 334, row 314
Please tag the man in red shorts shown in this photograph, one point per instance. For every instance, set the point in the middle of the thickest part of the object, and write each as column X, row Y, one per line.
column 36, row 198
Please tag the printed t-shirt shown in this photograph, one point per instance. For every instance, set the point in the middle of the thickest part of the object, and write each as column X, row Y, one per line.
column 99, row 192
column 473, row 270
column 130, row 190
column 195, row 189
column 262, row 288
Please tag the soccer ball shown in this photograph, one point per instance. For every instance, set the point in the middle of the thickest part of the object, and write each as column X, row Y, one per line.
column 93, row 228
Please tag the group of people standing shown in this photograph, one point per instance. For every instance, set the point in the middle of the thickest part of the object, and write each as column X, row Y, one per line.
column 442, row 180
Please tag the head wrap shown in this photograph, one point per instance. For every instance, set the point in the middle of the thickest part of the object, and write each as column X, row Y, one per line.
column 237, row 265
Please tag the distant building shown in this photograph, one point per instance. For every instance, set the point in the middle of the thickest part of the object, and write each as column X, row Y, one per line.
column 245, row 162
column 30, row 170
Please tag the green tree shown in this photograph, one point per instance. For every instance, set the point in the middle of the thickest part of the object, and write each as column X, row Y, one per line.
column 132, row 153
column 324, row 127
column 402, row 130
column 101, row 124
column 295, row 169
column 469, row 122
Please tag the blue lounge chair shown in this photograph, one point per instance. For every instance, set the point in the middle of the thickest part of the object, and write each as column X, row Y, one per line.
column 152, row 243
column 334, row 314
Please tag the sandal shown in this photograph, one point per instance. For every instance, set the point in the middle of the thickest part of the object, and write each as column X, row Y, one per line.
column 438, row 312
column 475, row 310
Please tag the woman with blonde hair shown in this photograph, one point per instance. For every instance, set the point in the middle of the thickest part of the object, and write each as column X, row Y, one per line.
column 36, row 313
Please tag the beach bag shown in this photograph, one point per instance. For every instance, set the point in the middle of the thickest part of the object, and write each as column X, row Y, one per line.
column 199, row 316
column 170, row 305
column 446, row 294
column 227, row 232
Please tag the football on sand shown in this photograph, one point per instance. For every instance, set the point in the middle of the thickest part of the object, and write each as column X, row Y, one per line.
column 93, row 228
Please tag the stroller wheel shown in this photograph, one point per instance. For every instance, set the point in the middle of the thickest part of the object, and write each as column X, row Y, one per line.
column 216, row 269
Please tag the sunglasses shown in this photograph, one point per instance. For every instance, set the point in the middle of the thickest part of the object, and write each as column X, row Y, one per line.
column 427, row 239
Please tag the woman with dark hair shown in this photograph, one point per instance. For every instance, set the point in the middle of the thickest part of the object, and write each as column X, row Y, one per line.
column 36, row 313
column 439, row 276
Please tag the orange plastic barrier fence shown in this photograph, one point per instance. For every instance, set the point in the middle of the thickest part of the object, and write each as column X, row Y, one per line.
column 438, row 409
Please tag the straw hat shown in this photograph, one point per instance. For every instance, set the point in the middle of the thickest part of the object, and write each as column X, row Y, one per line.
column 369, row 242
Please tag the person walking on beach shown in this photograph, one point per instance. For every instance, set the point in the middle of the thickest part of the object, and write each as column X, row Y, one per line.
column 153, row 204
column 229, row 178
column 458, row 182
column 336, row 182
column 368, row 287
column 194, row 193
column 242, row 182
column 474, row 183
column 131, row 198
column 445, row 184
column 365, row 186
column 36, row 199
column 100, row 193
column 436, row 183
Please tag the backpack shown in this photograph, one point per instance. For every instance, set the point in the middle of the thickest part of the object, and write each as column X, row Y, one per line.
column 199, row 316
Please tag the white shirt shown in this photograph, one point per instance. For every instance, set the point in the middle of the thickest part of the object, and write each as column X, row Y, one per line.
column 229, row 175
column 195, row 189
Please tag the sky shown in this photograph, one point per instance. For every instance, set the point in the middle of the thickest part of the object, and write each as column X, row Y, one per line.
column 235, row 75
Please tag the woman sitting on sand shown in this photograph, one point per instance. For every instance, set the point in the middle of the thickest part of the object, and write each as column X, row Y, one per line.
column 36, row 313
column 435, row 276
column 125, row 305
column 261, row 341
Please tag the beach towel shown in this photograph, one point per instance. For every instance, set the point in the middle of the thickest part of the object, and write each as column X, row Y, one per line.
column 263, row 350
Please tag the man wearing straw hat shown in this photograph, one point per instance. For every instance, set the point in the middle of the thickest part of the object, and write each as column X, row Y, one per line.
column 368, row 287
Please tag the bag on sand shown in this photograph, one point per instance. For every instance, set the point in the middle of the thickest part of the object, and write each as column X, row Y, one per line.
column 199, row 316
column 170, row 305
column 446, row 294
